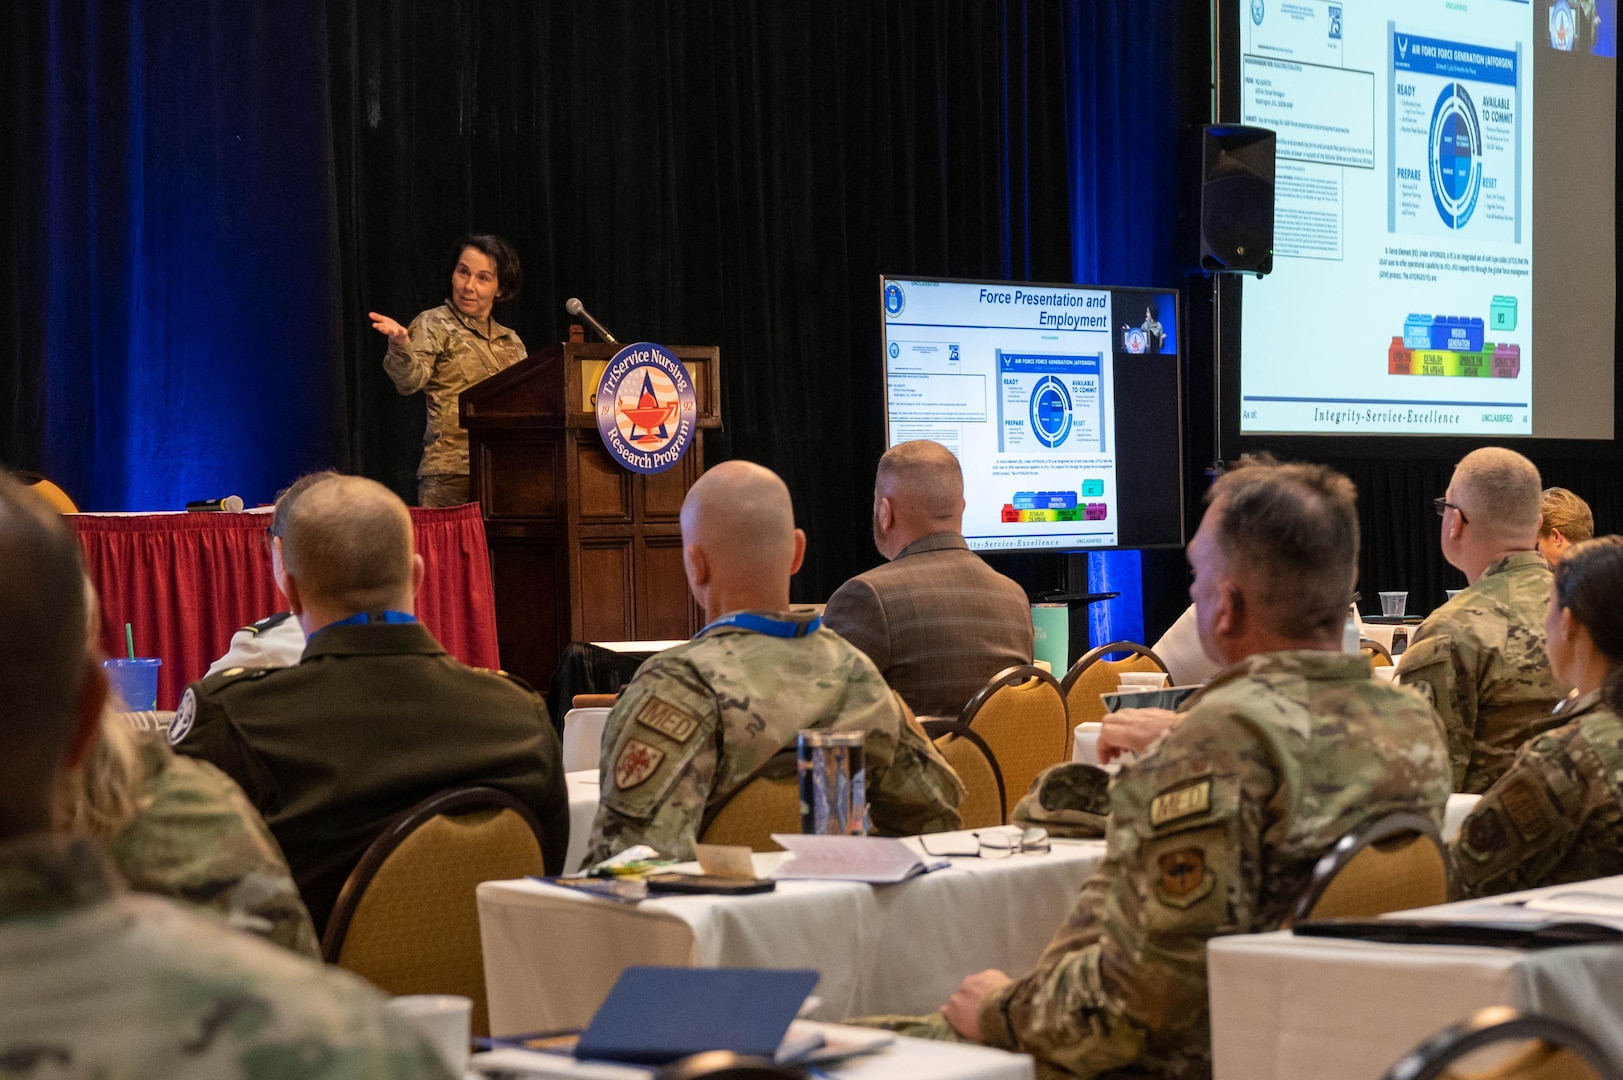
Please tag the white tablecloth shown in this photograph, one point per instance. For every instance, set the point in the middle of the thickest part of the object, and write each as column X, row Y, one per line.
column 551, row 955
column 1285, row 1007
column 583, row 738
column 905, row 1059
column 583, row 789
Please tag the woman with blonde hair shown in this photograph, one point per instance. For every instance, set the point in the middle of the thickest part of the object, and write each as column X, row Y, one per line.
column 181, row 828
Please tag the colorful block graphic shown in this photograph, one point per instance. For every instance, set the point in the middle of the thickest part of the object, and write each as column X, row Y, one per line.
column 1442, row 332
column 1014, row 515
column 1489, row 362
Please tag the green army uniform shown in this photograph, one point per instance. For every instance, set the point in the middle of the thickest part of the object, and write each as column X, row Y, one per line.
column 1556, row 815
column 97, row 982
column 700, row 719
column 1215, row 832
column 447, row 353
column 1480, row 659
column 373, row 720
column 195, row 837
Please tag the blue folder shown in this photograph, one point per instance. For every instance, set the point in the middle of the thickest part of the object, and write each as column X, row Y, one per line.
column 658, row 1014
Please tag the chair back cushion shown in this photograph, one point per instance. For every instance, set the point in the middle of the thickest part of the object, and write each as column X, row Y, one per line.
column 1021, row 716
column 415, row 927
column 1093, row 674
column 972, row 760
column 1499, row 1043
column 749, row 817
column 1394, row 864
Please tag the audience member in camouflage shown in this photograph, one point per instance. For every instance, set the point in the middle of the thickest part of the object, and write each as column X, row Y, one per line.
column 700, row 719
column 98, row 983
column 450, row 348
column 1556, row 815
column 195, row 837
column 1070, row 800
column 1291, row 746
column 1480, row 657
column 95, row 981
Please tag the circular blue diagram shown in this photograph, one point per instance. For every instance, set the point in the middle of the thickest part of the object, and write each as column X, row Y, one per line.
column 1050, row 411
column 1456, row 156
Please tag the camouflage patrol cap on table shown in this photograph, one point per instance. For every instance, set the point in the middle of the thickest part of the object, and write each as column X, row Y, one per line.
column 1070, row 800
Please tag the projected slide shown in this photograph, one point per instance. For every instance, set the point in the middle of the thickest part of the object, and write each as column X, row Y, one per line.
column 1017, row 381
column 1402, row 296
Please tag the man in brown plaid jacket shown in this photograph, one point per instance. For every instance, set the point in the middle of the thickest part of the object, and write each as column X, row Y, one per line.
column 936, row 620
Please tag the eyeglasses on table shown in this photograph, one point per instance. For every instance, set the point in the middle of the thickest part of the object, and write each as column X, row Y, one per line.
column 1032, row 840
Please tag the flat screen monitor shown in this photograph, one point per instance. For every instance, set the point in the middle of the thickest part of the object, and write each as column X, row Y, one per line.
column 1061, row 403
column 1444, row 216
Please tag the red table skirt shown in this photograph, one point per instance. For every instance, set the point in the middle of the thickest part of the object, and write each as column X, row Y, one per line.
column 187, row 582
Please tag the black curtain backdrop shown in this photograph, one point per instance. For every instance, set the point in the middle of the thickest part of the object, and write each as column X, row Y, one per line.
column 728, row 173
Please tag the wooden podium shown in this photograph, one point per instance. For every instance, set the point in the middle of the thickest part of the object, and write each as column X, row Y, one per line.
column 580, row 548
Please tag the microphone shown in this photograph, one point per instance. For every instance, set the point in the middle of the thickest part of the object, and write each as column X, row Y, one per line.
column 575, row 307
column 231, row 504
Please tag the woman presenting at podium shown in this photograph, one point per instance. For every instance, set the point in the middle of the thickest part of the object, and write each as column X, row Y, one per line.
column 450, row 348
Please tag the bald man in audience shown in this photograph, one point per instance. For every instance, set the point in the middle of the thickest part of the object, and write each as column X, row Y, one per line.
column 936, row 620
column 1566, row 520
column 96, row 981
column 1288, row 748
column 705, row 718
column 1480, row 657
column 375, row 717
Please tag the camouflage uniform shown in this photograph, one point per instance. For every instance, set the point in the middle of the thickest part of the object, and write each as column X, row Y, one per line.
column 95, row 982
column 700, row 719
column 1216, row 832
column 1480, row 659
column 197, row 838
column 448, row 353
column 1556, row 815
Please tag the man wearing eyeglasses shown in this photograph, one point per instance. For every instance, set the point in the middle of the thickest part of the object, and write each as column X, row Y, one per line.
column 1480, row 657
column 1291, row 746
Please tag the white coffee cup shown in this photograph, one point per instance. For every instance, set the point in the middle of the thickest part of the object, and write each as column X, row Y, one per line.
column 1085, row 742
column 445, row 1020
column 1142, row 680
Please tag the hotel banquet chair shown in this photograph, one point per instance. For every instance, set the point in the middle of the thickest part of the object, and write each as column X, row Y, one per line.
column 1021, row 717
column 769, row 803
column 1379, row 655
column 59, row 500
column 1552, row 1051
column 973, row 761
column 1093, row 675
column 1393, row 864
column 406, row 919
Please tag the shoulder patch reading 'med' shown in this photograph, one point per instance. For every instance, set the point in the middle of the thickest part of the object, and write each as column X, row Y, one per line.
column 675, row 724
column 1182, row 803
column 636, row 763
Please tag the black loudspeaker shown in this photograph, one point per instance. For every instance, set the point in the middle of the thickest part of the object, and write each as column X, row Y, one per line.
column 1234, row 202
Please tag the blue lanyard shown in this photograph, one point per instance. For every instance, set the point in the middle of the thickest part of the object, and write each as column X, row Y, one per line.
column 365, row 618
column 765, row 624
